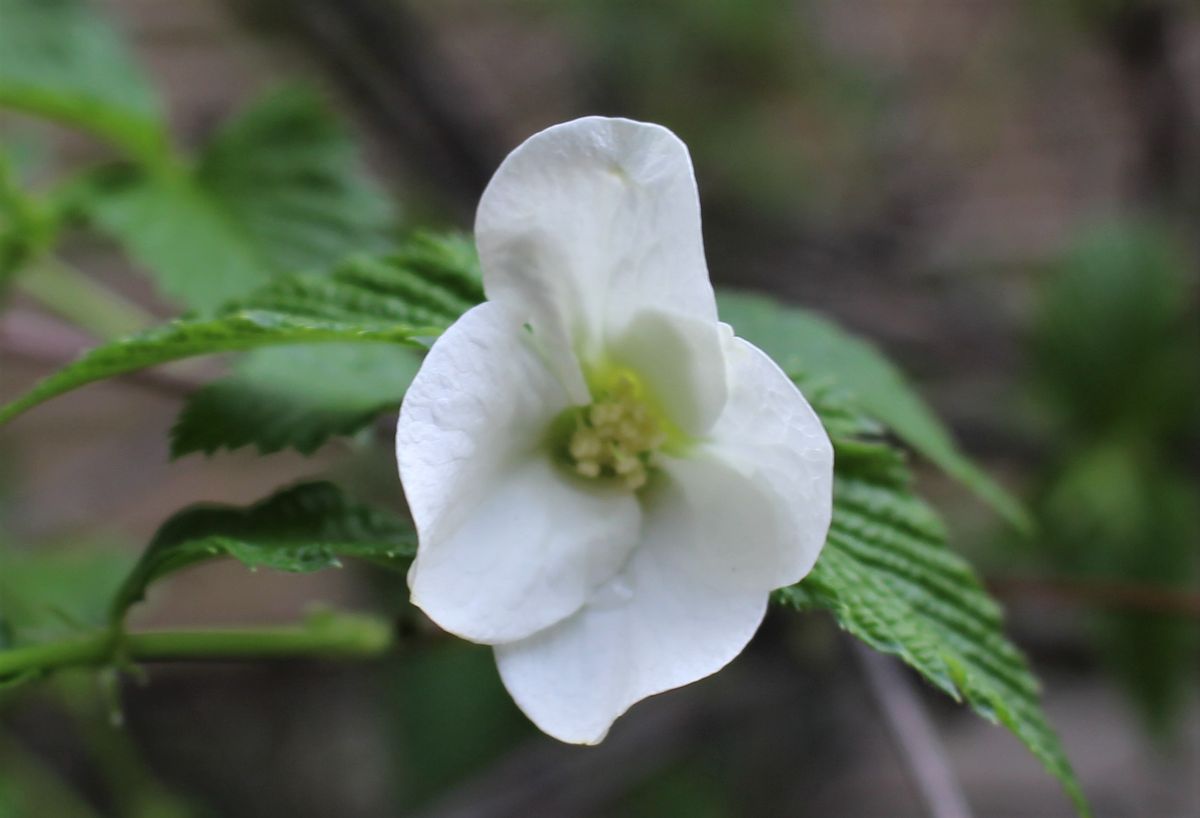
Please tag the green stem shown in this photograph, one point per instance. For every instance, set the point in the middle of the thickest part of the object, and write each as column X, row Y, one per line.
column 324, row 636
column 70, row 294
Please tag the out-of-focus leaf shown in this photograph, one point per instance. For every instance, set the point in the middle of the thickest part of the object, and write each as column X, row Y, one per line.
column 1115, row 518
column 295, row 397
column 1115, row 345
column 301, row 529
column 1113, row 335
column 61, row 60
column 290, row 176
column 801, row 341
column 26, row 224
column 452, row 715
column 49, row 594
column 171, row 226
column 278, row 190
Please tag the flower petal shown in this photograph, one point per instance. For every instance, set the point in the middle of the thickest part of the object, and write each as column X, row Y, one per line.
column 588, row 221
column 527, row 556
column 681, row 360
column 495, row 520
column 677, row 613
column 770, row 434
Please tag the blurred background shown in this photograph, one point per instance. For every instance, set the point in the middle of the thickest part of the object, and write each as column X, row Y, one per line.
column 1004, row 195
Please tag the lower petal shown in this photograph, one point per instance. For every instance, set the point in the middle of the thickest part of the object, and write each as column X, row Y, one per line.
column 673, row 616
column 528, row 555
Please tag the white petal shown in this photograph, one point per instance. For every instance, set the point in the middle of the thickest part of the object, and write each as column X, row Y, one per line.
column 588, row 221
column 687, row 603
column 527, row 556
column 681, row 361
column 483, row 497
column 770, row 434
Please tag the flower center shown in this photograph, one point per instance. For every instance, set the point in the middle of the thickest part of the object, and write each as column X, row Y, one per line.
column 614, row 437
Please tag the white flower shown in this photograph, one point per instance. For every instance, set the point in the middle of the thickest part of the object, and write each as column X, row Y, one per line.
column 606, row 483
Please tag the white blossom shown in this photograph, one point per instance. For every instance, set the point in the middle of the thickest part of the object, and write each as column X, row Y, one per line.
column 606, row 483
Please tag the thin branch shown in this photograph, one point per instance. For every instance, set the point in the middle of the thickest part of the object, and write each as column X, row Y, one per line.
column 341, row 636
column 919, row 748
column 102, row 311
column 1126, row 596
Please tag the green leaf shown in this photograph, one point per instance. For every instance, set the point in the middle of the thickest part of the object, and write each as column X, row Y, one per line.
column 801, row 341
column 1136, row 282
column 405, row 298
column 278, row 190
column 47, row 594
column 61, row 60
column 186, row 338
column 169, row 225
column 888, row 577
column 295, row 397
column 300, row 397
column 302, row 529
column 289, row 175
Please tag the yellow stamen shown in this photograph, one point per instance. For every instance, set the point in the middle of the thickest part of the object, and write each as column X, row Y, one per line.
column 616, row 436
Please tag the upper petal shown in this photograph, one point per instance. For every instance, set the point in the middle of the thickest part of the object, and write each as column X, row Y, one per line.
column 770, row 434
column 507, row 545
column 587, row 221
column 688, row 602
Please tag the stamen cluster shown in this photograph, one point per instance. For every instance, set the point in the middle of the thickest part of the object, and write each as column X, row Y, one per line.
column 616, row 436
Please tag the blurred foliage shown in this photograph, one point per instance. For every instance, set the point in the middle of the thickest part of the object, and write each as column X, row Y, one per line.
column 775, row 117
column 278, row 189
column 1115, row 327
column 50, row 593
column 26, row 226
column 1115, row 351
column 453, row 718
column 62, row 60
column 295, row 397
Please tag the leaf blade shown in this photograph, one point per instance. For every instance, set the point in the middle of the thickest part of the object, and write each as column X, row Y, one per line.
column 186, row 338
column 800, row 340
column 279, row 189
column 888, row 577
column 301, row 397
column 62, row 61
column 301, row 529
column 294, row 398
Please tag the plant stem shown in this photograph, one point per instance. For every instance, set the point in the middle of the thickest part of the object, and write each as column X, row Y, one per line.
column 325, row 636
column 915, row 737
column 70, row 294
